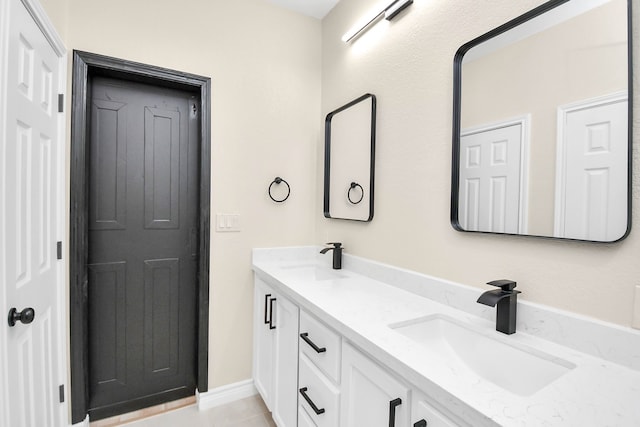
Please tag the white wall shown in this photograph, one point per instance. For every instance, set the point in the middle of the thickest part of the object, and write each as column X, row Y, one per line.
column 58, row 11
column 408, row 65
column 264, row 62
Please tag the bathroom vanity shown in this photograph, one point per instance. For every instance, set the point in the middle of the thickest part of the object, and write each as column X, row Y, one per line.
column 375, row 345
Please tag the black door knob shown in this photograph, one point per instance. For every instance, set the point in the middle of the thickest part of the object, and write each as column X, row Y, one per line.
column 25, row 316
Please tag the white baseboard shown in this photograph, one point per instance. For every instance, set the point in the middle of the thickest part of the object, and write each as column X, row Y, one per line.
column 226, row 394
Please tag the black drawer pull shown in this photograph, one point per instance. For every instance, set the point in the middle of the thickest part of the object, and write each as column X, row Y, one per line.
column 303, row 392
column 266, row 308
column 305, row 337
column 392, row 411
column 421, row 423
column 271, row 325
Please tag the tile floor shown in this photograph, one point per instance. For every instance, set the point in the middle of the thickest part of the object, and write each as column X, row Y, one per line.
column 249, row 412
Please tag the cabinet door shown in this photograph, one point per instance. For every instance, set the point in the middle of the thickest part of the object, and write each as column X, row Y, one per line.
column 286, row 363
column 264, row 341
column 303, row 419
column 423, row 414
column 371, row 395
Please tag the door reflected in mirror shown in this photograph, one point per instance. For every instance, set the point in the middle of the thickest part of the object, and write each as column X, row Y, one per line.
column 541, row 125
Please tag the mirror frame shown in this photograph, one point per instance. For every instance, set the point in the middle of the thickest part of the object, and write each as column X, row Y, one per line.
column 327, row 156
column 457, row 107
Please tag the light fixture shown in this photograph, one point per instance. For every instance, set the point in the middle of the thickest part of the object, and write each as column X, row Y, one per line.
column 395, row 8
column 389, row 12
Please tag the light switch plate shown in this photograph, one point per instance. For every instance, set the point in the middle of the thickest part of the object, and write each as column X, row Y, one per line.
column 636, row 309
column 227, row 222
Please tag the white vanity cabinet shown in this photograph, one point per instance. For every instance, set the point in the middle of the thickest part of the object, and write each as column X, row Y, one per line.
column 276, row 353
column 371, row 395
column 310, row 376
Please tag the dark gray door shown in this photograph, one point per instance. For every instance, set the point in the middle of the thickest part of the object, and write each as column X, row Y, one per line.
column 143, row 213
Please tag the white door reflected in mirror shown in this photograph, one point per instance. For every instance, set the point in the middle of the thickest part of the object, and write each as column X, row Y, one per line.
column 591, row 196
column 493, row 178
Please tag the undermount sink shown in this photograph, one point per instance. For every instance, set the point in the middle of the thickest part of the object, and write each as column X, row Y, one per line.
column 316, row 272
column 522, row 371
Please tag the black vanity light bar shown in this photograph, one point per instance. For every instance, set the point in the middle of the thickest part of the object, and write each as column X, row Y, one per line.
column 388, row 12
column 395, row 8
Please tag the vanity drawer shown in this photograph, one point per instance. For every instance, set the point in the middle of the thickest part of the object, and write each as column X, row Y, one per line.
column 321, row 345
column 320, row 393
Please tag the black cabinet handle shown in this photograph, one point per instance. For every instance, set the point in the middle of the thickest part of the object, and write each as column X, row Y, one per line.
column 266, row 308
column 392, row 411
column 305, row 337
column 303, row 392
column 421, row 423
column 271, row 325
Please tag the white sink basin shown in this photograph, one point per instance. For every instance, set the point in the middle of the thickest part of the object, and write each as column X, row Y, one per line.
column 518, row 369
column 315, row 272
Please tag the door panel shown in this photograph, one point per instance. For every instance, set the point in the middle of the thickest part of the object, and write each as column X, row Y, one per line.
column 162, row 283
column 161, row 168
column 108, row 208
column 29, row 273
column 108, row 354
column 142, row 253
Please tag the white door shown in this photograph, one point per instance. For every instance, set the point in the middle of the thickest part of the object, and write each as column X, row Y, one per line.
column 29, row 222
column 591, row 198
column 490, row 179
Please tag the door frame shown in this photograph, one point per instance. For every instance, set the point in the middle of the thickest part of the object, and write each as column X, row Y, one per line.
column 85, row 66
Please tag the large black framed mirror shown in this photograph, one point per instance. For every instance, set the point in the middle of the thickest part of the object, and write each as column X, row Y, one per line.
column 349, row 160
column 542, row 124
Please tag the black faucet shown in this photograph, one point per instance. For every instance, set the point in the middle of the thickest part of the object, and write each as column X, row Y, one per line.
column 337, row 254
column 506, row 298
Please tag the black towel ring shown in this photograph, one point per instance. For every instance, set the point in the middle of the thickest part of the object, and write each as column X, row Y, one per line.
column 351, row 187
column 278, row 180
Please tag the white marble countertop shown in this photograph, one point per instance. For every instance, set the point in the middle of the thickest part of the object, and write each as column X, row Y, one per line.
column 595, row 392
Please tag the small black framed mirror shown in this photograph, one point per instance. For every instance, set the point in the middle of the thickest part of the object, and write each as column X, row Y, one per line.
column 349, row 160
column 542, row 124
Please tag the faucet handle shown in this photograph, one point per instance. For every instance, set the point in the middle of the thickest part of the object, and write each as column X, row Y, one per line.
column 505, row 284
column 335, row 244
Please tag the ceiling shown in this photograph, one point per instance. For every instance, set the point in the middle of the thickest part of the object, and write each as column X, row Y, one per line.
column 314, row 8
